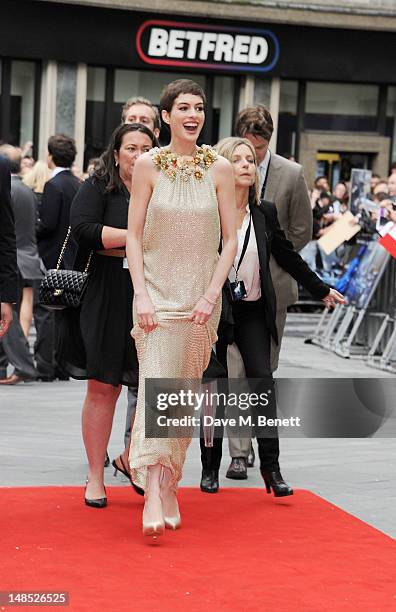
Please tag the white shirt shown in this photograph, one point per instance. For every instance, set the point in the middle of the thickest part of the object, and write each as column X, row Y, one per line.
column 263, row 168
column 249, row 270
column 58, row 169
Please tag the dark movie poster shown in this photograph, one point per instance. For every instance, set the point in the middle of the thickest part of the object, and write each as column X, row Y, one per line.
column 360, row 189
column 364, row 281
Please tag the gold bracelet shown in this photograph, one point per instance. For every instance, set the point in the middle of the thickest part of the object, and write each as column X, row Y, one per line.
column 209, row 301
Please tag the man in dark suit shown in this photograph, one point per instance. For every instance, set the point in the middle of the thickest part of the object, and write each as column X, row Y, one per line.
column 54, row 220
column 58, row 195
column 8, row 261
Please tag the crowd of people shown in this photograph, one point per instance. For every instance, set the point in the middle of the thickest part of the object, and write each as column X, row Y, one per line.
column 41, row 200
column 192, row 254
column 328, row 205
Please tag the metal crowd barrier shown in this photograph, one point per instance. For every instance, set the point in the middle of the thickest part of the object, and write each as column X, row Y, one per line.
column 365, row 333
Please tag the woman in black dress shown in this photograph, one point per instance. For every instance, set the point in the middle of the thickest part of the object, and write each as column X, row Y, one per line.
column 95, row 342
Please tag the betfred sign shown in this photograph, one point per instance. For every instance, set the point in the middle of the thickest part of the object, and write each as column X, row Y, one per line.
column 194, row 45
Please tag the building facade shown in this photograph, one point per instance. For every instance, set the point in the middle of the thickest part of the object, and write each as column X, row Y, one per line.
column 326, row 72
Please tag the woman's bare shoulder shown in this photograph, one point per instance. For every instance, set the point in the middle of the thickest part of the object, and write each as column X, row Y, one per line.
column 222, row 163
column 221, row 169
column 145, row 161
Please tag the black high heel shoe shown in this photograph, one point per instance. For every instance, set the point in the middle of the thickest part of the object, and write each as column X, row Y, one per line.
column 95, row 503
column 124, row 470
column 274, row 480
column 210, row 481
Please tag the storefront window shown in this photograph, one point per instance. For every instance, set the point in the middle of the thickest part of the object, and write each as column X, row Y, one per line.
column 95, row 113
column 22, row 102
column 96, row 83
column 288, row 97
column 262, row 91
column 391, row 120
column 223, row 103
column 287, row 122
column 341, row 107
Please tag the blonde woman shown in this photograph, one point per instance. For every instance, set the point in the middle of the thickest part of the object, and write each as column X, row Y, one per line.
column 253, row 302
column 37, row 177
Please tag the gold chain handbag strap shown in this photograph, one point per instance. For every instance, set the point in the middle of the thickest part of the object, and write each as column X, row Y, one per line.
column 63, row 249
column 88, row 262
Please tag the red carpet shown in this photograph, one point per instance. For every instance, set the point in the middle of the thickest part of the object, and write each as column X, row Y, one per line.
column 238, row 550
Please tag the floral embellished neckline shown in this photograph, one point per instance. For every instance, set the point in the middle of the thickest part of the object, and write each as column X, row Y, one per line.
column 172, row 164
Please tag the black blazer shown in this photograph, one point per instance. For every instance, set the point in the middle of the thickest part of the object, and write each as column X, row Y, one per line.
column 8, row 259
column 55, row 219
column 271, row 240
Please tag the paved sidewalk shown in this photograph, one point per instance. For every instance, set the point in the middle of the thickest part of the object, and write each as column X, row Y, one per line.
column 301, row 360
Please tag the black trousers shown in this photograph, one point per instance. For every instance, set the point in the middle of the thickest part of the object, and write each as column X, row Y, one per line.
column 253, row 340
column 44, row 347
column 14, row 347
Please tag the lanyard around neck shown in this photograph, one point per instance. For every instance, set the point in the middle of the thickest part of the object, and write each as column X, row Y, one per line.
column 245, row 244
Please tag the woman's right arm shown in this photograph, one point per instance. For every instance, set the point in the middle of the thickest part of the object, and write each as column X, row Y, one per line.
column 86, row 219
column 142, row 188
column 86, row 216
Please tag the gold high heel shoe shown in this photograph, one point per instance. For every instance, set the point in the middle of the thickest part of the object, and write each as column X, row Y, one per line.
column 152, row 528
column 171, row 522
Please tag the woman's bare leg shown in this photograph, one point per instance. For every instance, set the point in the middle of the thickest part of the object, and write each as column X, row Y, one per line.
column 152, row 512
column 97, row 420
column 26, row 310
column 125, row 454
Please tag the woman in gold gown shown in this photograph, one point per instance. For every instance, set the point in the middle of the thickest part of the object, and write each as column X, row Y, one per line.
column 182, row 201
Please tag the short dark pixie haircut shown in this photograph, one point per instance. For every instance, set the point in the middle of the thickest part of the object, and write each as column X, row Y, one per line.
column 175, row 88
column 63, row 150
column 255, row 120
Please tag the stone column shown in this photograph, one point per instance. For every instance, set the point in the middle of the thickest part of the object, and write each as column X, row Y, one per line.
column 81, row 102
column 63, row 102
column 47, row 106
column 66, row 87
column 246, row 95
column 274, row 110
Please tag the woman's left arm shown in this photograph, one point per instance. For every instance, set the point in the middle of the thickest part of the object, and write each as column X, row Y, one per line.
column 223, row 176
column 288, row 259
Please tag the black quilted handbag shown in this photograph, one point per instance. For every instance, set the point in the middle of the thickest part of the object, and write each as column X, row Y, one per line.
column 61, row 289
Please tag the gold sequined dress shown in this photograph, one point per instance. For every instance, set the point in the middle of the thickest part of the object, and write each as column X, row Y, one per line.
column 180, row 252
